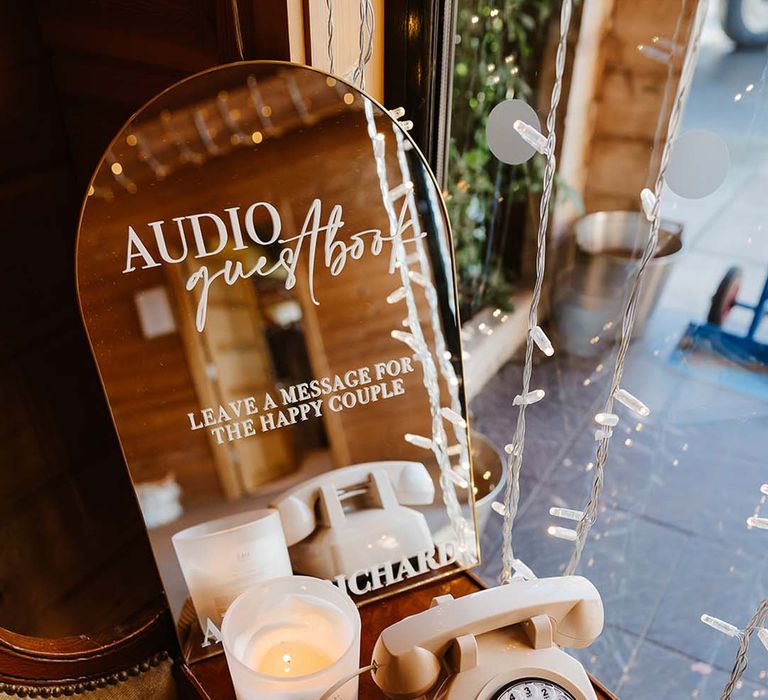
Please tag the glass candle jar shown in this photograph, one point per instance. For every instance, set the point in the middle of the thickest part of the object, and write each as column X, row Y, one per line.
column 222, row 558
column 292, row 638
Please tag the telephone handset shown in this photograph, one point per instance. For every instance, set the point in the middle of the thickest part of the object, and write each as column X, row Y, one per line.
column 355, row 517
column 497, row 644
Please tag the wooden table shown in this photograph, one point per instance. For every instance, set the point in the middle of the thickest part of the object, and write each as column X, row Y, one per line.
column 209, row 679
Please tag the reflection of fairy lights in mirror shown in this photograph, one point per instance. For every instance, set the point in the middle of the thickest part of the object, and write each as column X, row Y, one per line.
column 238, row 117
column 116, row 169
column 408, row 220
column 654, row 53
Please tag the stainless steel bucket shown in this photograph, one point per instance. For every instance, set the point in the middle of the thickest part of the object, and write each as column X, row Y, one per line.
column 590, row 294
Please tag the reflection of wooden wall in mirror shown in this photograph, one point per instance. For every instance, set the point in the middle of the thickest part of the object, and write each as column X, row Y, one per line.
column 234, row 339
column 213, row 361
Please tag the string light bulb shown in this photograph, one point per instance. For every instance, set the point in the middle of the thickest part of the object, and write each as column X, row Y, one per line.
column 762, row 635
column 566, row 513
column 452, row 417
column 398, row 295
column 418, row 441
column 418, row 278
column 408, row 339
column 401, row 190
column 528, row 398
column 722, row 626
column 562, row 533
column 757, row 522
column 648, row 201
column 608, row 420
column 603, row 434
column 654, row 53
column 522, row 570
column 632, row 403
column 542, row 341
column 457, row 479
column 533, row 137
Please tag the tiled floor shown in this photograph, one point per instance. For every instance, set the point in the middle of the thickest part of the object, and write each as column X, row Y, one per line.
column 671, row 542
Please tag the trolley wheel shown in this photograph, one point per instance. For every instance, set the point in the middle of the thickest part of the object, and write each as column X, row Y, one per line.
column 745, row 21
column 724, row 298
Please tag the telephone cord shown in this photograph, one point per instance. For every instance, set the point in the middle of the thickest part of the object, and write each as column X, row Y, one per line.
column 329, row 694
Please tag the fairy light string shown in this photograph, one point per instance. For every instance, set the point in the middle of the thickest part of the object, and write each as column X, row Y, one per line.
column 651, row 206
column 516, row 448
column 237, row 30
column 331, row 61
column 756, row 624
column 414, row 338
column 365, row 41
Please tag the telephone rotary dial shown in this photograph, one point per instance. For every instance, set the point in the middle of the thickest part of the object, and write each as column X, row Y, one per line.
column 533, row 688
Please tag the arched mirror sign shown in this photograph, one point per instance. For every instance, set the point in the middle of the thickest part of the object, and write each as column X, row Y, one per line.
column 266, row 277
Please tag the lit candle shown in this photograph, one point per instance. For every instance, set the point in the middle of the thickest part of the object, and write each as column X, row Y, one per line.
column 292, row 659
column 292, row 638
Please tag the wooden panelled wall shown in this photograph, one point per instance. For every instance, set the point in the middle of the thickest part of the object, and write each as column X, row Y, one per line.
column 620, row 101
column 75, row 558
column 58, row 453
column 631, row 111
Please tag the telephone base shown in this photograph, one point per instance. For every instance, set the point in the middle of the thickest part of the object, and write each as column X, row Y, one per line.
column 367, row 539
column 505, row 656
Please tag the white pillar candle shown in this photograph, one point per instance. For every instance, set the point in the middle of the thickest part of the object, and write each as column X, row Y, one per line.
column 292, row 638
column 222, row 558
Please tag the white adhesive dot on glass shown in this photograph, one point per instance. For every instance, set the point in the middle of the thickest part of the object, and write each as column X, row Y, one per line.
column 503, row 140
column 698, row 164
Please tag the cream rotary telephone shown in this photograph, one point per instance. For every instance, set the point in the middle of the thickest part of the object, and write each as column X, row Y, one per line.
column 354, row 518
column 498, row 644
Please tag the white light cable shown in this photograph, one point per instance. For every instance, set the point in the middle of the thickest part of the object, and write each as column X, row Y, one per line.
column 628, row 317
column 515, row 452
column 365, row 42
column 238, row 32
column 331, row 62
column 756, row 624
column 415, row 339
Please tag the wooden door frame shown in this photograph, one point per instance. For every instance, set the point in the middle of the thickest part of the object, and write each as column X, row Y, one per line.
column 418, row 69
